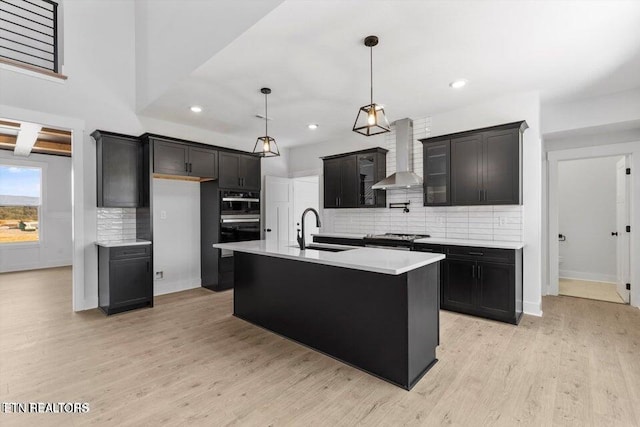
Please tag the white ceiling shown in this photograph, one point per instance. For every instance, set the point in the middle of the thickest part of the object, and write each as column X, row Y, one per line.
column 311, row 54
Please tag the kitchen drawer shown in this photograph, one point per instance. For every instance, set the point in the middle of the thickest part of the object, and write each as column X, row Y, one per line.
column 426, row 247
column 488, row 254
column 138, row 251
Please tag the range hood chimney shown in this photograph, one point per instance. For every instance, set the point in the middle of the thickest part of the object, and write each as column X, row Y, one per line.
column 404, row 176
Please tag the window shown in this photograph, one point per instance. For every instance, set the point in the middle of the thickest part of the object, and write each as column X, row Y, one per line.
column 20, row 200
column 29, row 34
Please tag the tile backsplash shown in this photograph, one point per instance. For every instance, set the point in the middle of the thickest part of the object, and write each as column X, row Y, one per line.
column 501, row 223
column 116, row 224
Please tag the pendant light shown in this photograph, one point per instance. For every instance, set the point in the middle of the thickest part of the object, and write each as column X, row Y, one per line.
column 371, row 119
column 265, row 145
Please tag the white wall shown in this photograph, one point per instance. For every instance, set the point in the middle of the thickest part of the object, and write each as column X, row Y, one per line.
column 54, row 248
column 592, row 112
column 176, row 235
column 587, row 216
column 174, row 37
column 100, row 93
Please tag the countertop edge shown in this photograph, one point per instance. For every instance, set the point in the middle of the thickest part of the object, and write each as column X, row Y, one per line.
column 115, row 244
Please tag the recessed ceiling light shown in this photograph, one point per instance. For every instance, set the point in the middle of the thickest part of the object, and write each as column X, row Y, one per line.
column 313, row 126
column 458, row 84
column 196, row 109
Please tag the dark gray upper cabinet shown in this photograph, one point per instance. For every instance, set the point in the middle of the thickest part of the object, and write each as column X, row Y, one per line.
column 348, row 179
column 203, row 162
column 239, row 171
column 176, row 158
column 485, row 166
column 437, row 178
column 119, row 170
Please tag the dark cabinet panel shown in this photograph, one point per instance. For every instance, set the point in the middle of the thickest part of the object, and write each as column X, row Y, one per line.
column 203, row 162
column 239, row 171
column 496, row 289
column 125, row 280
column 348, row 179
column 466, row 170
column 229, row 170
column 119, row 170
column 474, row 285
column 501, row 171
column 170, row 158
column 437, row 180
column 250, row 172
column 130, row 281
column 459, row 291
column 332, row 182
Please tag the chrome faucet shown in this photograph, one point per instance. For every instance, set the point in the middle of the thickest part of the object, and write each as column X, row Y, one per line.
column 301, row 242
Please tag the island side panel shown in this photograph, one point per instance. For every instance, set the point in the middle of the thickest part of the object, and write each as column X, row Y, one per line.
column 423, row 319
column 356, row 316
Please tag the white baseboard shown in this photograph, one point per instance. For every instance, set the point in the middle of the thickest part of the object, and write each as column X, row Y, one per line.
column 591, row 277
column 36, row 266
column 162, row 287
column 532, row 308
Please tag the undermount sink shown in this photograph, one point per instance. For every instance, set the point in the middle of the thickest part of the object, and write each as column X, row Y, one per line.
column 325, row 248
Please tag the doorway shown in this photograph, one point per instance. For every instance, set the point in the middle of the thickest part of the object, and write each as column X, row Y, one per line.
column 285, row 200
column 593, row 214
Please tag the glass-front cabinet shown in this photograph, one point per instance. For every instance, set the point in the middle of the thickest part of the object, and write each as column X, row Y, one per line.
column 436, row 173
column 366, row 179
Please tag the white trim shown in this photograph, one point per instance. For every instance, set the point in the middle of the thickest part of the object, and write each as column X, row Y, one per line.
column 162, row 287
column 631, row 149
column 80, row 298
column 20, row 70
column 586, row 276
column 531, row 308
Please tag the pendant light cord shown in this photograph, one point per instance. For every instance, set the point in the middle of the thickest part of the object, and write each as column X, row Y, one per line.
column 371, row 71
column 266, row 116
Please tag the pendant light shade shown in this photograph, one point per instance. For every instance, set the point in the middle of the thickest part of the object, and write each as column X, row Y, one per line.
column 371, row 119
column 265, row 145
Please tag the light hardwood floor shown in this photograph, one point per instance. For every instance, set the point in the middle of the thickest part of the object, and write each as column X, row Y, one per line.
column 601, row 291
column 188, row 361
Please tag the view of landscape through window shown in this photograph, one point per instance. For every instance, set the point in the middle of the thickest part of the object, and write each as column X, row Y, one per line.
column 20, row 197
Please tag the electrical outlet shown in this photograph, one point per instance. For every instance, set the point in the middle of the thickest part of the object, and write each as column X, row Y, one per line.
column 502, row 220
column 163, row 214
column 440, row 220
column 159, row 275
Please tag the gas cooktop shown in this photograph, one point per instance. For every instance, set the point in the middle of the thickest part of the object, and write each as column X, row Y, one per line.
column 396, row 236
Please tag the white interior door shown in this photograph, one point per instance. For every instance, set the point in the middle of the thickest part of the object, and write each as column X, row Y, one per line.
column 306, row 194
column 622, row 220
column 278, row 209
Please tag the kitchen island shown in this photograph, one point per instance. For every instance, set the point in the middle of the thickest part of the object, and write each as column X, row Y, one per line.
column 374, row 309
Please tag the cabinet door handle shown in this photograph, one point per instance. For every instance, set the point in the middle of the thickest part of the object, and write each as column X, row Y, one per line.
column 479, row 272
column 485, row 195
column 473, row 271
column 479, row 195
column 190, row 167
column 476, row 253
column 186, row 167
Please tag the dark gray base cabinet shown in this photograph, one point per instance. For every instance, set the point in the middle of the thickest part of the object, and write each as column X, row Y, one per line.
column 125, row 280
column 484, row 282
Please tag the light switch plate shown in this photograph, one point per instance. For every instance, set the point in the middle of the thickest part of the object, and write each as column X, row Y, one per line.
column 163, row 214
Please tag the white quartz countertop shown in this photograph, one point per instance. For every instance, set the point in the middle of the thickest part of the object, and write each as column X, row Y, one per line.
column 115, row 243
column 474, row 243
column 385, row 261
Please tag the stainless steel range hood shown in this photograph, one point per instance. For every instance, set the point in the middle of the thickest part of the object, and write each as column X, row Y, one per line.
column 404, row 176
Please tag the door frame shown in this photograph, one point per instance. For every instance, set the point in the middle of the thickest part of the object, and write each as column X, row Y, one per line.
column 632, row 150
column 81, row 299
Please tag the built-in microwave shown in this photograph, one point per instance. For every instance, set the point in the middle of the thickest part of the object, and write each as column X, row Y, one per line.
column 239, row 203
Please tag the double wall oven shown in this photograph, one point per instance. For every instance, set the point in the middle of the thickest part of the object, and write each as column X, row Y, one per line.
column 239, row 217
